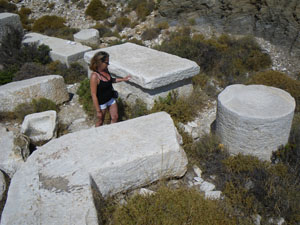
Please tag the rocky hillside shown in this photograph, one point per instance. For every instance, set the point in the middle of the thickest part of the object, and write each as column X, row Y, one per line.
column 275, row 20
column 275, row 23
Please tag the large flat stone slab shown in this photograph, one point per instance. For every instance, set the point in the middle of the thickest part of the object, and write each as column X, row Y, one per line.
column 54, row 185
column 150, row 69
column 154, row 73
column 9, row 21
column 63, row 50
column 51, row 87
column 254, row 119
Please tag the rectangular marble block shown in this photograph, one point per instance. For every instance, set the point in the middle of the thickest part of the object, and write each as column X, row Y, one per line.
column 62, row 50
column 154, row 73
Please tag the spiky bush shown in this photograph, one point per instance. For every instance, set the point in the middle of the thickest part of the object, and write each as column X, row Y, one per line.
column 6, row 6
column 176, row 207
column 143, row 8
column 150, row 33
column 226, row 58
column 35, row 106
column 47, row 22
column 97, row 10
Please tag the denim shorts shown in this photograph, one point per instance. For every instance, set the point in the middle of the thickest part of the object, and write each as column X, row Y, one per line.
column 107, row 104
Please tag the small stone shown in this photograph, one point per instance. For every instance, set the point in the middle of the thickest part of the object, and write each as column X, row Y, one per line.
column 146, row 192
column 197, row 170
column 198, row 179
column 206, row 186
column 213, row 194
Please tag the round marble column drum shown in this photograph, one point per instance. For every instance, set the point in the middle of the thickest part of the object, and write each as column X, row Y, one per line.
column 254, row 119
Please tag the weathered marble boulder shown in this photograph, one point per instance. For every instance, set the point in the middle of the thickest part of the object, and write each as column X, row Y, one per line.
column 62, row 50
column 154, row 73
column 2, row 185
column 254, row 119
column 14, row 149
column 51, row 87
column 87, row 37
column 40, row 127
column 59, row 182
column 9, row 21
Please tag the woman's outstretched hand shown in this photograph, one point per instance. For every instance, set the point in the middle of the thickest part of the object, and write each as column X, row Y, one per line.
column 127, row 78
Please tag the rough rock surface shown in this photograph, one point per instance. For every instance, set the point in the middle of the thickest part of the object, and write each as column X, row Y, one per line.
column 254, row 119
column 9, row 21
column 276, row 21
column 54, row 185
column 14, row 150
column 40, row 127
column 51, row 87
column 87, row 37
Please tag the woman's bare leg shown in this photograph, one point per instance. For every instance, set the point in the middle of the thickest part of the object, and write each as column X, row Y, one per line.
column 113, row 111
column 100, row 119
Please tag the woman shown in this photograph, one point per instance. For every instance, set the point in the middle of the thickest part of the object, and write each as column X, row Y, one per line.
column 101, row 88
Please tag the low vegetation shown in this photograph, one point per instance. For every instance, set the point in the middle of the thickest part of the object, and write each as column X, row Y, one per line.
column 97, row 10
column 13, row 55
column 167, row 206
column 225, row 58
column 143, row 8
column 35, row 106
column 53, row 26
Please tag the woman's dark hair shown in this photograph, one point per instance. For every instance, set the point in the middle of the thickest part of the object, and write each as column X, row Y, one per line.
column 98, row 57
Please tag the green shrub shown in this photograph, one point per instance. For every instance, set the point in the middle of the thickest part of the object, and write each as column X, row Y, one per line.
column 46, row 23
column 181, row 109
column 226, row 58
column 250, row 186
column 279, row 80
column 85, row 97
column 122, row 22
column 163, row 25
column 136, row 41
column 97, row 10
column 6, row 76
column 130, row 111
column 35, row 106
column 103, row 30
column 24, row 14
column 51, row 5
column 150, row 33
column 31, row 70
column 75, row 73
column 80, row 5
column 64, row 33
column 182, row 206
column 10, row 48
column 143, row 8
column 192, row 22
column 6, row 6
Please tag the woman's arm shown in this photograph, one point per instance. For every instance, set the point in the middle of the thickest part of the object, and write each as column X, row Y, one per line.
column 123, row 79
column 93, row 86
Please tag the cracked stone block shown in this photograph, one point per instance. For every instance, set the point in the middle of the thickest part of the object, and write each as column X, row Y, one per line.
column 41, row 126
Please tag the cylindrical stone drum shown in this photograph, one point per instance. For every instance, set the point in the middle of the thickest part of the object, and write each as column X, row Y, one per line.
column 254, row 119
